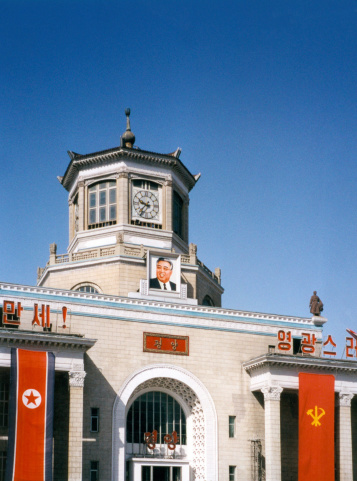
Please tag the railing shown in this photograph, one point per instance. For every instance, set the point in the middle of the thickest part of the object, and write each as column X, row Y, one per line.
column 121, row 249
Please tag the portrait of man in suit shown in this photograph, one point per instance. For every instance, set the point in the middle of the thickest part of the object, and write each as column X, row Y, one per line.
column 162, row 281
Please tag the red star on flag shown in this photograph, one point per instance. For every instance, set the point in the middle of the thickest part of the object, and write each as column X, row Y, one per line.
column 31, row 398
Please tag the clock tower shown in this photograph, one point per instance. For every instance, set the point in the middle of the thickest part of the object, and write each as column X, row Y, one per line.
column 128, row 207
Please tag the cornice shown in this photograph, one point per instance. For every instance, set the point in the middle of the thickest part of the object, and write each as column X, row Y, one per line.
column 117, row 302
column 300, row 362
column 21, row 338
column 82, row 161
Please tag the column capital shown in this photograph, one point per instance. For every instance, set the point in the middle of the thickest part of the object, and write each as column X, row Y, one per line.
column 272, row 393
column 345, row 398
column 123, row 175
column 76, row 378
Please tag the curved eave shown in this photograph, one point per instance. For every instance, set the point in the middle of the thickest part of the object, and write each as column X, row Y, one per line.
column 300, row 362
column 79, row 162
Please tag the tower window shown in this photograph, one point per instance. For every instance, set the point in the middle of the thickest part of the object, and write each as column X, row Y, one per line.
column 102, row 205
column 178, row 214
column 232, row 473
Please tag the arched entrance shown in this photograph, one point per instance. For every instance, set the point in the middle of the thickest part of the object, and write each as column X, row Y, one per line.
column 199, row 459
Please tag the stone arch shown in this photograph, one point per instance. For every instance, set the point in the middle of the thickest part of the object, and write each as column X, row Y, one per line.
column 193, row 394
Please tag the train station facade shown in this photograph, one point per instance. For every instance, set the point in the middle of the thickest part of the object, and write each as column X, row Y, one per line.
column 154, row 379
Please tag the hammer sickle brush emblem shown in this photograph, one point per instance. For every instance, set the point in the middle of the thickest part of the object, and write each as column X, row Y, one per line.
column 316, row 416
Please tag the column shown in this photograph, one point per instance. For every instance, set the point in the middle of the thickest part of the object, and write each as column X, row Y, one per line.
column 75, row 433
column 345, row 437
column 272, row 432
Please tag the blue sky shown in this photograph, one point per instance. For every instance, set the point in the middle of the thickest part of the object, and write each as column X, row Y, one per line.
column 261, row 97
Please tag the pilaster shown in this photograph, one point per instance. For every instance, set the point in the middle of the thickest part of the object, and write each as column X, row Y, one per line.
column 123, row 201
column 345, row 437
column 82, row 221
column 75, row 434
column 272, row 432
column 167, row 214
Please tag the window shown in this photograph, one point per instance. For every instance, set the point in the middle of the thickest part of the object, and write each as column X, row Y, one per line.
column 2, row 465
column 232, row 473
column 232, row 426
column 155, row 411
column 177, row 215
column 145, row 184
column 102, row 204
column 297, row 346
column 4, row 404
column 88, row 289
column 94, row 471
column 164, row 473
column 207, row 301
column 94, row 420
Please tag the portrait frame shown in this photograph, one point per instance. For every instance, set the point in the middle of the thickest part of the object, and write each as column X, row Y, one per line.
column 175, row 278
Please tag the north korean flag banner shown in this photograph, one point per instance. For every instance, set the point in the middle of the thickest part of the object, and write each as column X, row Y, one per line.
column 316, row 427
column 29, row 455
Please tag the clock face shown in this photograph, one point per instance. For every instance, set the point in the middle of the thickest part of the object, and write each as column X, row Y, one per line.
column 146, row 204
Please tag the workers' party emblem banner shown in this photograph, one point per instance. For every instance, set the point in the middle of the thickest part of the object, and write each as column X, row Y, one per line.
column 30, row 416
column 316, row 427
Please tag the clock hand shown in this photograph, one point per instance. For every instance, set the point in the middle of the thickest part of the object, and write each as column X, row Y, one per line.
column 142, row 209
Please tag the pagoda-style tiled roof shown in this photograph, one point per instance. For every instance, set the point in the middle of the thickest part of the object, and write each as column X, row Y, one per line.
column 79, row 161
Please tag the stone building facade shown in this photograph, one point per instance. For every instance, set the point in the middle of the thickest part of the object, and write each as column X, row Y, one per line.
column 155, row 385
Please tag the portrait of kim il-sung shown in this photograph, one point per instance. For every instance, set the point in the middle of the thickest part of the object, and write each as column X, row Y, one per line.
column 164, row 273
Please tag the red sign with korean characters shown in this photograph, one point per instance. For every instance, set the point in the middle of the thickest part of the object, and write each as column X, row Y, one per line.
column 10, row 315
column 308, row 344
column 166, row 344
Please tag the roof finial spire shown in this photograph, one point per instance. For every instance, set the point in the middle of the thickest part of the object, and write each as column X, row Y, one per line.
column 128, row 138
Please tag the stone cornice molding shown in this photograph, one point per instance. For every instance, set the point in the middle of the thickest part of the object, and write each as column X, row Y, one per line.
column 268, row 361
column 272, row 393
column 208, row 311
column 345, row 398
column 76, row 378
column 84, row 161
column 203, row 316
column 44, row 340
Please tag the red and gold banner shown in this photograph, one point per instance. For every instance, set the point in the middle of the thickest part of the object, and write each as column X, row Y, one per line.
column 166, row 343
column 316, row 427
column 30, row 416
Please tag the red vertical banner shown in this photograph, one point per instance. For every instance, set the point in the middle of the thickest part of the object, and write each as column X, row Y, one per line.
column 316, row 427
column 30, row 416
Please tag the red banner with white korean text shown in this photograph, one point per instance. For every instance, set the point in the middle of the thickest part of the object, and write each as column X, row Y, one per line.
column 316, row 427
column 30, row 416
